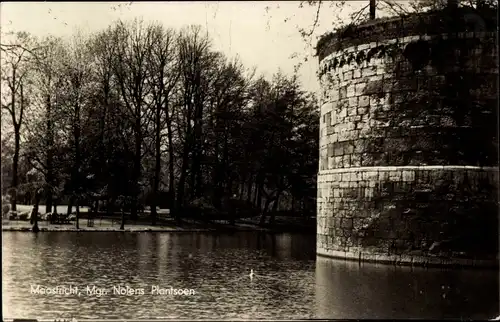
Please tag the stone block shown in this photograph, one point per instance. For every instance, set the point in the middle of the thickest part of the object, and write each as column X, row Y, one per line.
column 368, row 72
column 334, row 96
column 330, row 149
column 331, row 163
column 359, row 88
column 338, row 149
column 369, row 192
column 346, row 160
column 370, row 175
column 355, row 160
column 353, row 102
column 338, row 162
column 348, row 148
column 341, row 114
column 342, row 92
column 408, row 175
column 364, row 101
column 365, row 132
column 350, row 91
column 395, row 175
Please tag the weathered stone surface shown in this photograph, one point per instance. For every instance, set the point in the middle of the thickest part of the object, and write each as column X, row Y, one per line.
column 409, row 159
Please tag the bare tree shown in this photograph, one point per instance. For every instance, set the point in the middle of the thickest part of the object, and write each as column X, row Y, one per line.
column 15, row 75
column 76, row 72
column 193, row 48
column 164, row 74
column 134, row 43
column 48, row 82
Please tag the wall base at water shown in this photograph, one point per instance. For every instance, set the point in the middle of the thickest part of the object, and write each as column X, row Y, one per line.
column 409, row 215
column 408, row 260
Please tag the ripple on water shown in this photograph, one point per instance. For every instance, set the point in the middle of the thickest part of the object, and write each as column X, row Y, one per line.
column 289, row 282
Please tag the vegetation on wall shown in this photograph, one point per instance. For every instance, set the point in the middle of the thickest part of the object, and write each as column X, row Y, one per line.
column 432, row 23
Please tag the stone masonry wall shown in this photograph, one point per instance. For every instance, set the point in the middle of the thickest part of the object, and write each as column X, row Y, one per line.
column 408, row 150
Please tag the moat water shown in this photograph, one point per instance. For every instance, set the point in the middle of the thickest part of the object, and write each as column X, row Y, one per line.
column 289, row 281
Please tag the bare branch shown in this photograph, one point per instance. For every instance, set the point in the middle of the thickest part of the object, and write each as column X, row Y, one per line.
column 316, row 19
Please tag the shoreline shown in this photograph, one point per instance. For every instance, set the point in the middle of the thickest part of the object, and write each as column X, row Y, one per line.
column 134, row 230
column 425, row 261
column 157, row 229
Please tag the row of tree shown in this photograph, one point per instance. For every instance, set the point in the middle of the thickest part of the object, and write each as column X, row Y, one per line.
column 139, row 114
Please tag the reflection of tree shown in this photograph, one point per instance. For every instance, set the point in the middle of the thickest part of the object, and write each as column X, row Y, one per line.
column 163, row 255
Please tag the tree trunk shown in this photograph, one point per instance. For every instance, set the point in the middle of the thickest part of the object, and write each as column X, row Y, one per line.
column 182, row 178
column 122, row 226
column 373, row 5
column 157, row 172
column 137, row 170
column 216, row 180
column 249, row 188
column 50, row 171
column 452, row 4
column 15, row 165
column 197, row 178
column 171, row 159
column 70, row 205
column 48, row 206
column 35, row 228
column 259, row 198
column 17, row 138
column 77, row 214
column 180, row 186
column 264, row 211
column 272, row 218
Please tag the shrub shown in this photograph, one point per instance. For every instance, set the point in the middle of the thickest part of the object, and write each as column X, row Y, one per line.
column 5, row 206
column 5, row 209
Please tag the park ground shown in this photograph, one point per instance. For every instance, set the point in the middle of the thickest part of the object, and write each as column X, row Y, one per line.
column 166, row 224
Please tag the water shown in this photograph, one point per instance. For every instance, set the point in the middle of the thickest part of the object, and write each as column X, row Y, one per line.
column 290, row 282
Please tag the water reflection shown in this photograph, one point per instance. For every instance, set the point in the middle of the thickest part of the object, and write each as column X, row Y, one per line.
column 289, row 282
column 215, row 265
column 349, row 290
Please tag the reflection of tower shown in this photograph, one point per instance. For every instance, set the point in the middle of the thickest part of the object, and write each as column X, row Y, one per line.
column 348, row 290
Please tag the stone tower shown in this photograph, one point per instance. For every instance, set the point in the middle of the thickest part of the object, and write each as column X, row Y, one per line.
column 408, row 167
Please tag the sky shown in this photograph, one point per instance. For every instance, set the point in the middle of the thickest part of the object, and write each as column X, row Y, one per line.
column 263, row 34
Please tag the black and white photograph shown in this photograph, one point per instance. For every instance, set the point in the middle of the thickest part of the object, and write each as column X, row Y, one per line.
column 249, row 160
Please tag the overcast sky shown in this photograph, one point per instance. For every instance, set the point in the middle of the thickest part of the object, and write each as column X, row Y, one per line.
column 263, row 34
